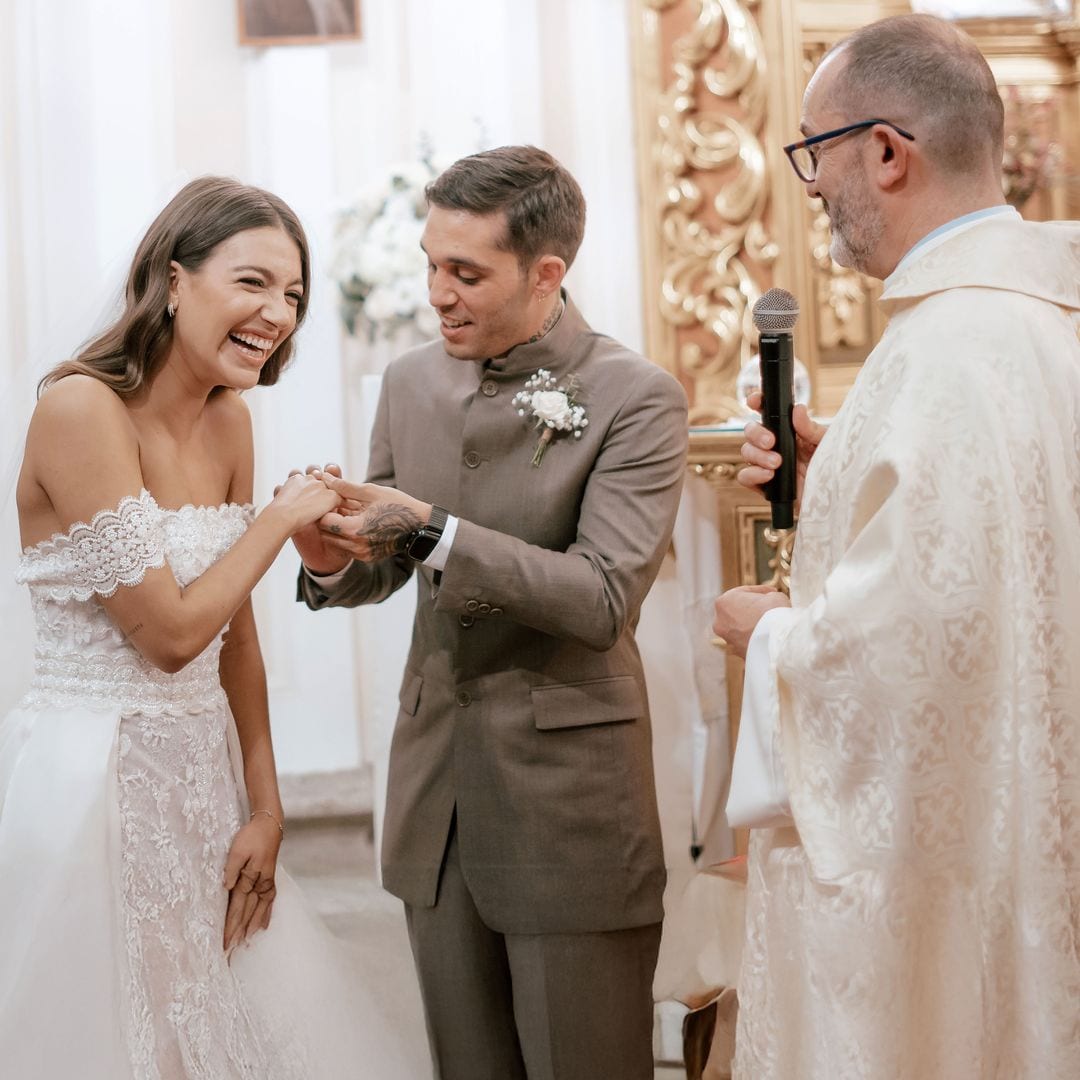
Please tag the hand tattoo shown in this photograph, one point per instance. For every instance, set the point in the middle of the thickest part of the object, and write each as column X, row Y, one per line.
column 387, row 528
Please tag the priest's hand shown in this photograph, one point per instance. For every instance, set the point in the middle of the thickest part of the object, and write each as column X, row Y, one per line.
column 738, row 611
column 762, row 462
column 373, row 522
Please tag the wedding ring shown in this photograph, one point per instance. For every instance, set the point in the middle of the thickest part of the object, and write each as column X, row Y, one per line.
column 719, row 642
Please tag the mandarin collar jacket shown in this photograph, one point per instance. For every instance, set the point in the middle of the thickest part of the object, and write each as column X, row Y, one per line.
column 523, row 708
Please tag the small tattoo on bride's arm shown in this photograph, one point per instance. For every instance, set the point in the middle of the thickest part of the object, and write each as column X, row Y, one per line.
column 133, row 631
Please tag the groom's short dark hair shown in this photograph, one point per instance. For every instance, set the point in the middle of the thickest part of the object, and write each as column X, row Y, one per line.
column 544, row 207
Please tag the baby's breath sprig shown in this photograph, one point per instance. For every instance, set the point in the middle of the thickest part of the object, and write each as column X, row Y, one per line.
column 554, row 408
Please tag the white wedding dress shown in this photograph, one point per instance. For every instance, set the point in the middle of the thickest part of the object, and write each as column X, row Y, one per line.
column 119, row 798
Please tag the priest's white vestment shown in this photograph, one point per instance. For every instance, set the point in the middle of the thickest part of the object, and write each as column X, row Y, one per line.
column 920, row 920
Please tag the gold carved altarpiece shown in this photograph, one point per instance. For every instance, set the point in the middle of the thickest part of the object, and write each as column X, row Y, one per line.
column 719, row 87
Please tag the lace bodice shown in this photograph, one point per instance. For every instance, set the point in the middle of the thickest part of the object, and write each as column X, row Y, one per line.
column 81, row 657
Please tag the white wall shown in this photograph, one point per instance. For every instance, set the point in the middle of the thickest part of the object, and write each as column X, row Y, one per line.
column 108, row 106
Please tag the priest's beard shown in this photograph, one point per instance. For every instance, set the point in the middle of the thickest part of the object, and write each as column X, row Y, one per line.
column 857, row 224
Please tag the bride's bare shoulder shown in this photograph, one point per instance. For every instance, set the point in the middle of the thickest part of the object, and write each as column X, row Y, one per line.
column 228, row 407
column 81, row 412
column 82, row 455
column 79, row 393
column 229, row 421
column 230, row 430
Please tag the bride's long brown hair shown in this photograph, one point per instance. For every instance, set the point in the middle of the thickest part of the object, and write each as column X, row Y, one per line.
column 202, row 215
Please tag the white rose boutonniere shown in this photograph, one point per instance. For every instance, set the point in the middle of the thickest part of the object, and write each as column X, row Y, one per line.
column 553, row 407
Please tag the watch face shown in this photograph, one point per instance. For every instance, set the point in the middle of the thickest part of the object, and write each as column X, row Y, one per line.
column 420, row 545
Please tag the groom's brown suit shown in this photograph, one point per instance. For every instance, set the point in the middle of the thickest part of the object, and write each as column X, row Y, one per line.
column 522, row 753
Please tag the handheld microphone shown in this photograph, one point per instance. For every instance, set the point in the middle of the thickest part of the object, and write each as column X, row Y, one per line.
column 775, row 315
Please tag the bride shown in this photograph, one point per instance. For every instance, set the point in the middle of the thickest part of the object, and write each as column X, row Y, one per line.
column 139, row 812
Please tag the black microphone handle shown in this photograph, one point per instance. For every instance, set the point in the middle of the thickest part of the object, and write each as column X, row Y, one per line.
column 778, row 400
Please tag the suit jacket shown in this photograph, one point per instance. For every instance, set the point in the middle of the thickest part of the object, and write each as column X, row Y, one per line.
column 523, row 703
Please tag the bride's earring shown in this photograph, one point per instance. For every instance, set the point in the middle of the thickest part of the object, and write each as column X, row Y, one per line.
column 171, row 309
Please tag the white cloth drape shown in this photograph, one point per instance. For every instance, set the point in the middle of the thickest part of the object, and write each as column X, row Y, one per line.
column 759, row 797
column 697, row 559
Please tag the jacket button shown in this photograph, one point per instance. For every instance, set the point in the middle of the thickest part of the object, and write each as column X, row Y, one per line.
column 466, row 620
column 484, row 609
column 489, row 388
column 463, row 698
column 472, row 605
column 472, row 459
column 496, row 611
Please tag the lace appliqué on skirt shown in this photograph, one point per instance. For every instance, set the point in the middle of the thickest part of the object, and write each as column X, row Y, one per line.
column 179, row 811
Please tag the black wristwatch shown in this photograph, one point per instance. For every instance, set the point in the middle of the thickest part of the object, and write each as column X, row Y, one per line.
column 422, row 542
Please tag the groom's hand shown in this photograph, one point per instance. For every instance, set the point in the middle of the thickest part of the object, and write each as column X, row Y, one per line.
column 373, row 522
column 315, row 554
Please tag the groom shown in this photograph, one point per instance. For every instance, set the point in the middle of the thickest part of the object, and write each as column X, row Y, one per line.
column 521, row 828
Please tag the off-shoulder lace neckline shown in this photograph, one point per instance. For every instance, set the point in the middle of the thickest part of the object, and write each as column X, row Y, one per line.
column 144, row 497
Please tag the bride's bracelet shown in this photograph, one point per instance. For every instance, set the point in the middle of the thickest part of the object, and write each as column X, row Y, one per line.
column 271, row 817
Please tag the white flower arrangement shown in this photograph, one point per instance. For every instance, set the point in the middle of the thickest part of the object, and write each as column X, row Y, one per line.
column 378, row 263
column 553, row 407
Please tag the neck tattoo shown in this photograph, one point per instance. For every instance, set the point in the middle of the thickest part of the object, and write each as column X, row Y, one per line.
column 549, row 322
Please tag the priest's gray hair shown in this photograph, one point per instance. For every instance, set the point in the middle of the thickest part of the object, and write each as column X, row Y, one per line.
column 929, row 77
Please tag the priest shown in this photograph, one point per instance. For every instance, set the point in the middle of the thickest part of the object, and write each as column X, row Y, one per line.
column 909, row 754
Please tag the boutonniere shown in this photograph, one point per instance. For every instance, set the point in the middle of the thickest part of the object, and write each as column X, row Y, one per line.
column 553, row 407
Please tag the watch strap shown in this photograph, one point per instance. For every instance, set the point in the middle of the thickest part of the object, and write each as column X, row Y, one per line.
column 424, row 540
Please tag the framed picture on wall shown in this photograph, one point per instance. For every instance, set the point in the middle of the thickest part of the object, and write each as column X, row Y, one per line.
column 297, row 22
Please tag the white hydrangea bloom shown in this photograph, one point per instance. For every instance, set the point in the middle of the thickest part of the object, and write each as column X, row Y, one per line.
column 378, row 264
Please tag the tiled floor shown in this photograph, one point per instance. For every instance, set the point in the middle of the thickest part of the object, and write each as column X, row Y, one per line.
column 334, row 866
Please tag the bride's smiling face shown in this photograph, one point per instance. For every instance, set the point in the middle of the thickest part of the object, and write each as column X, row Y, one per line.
column 237, row 308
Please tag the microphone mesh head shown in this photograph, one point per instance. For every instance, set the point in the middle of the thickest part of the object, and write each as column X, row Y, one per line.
column 777, row 311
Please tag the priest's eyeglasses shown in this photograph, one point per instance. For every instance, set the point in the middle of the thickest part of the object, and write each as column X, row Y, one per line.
column 803, row 156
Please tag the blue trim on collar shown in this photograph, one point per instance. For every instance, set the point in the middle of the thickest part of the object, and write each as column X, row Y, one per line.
column 964, row 219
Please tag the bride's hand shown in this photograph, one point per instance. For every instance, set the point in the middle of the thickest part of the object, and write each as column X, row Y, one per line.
column 249, row 879
column 303, row 498
column 310, row 543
